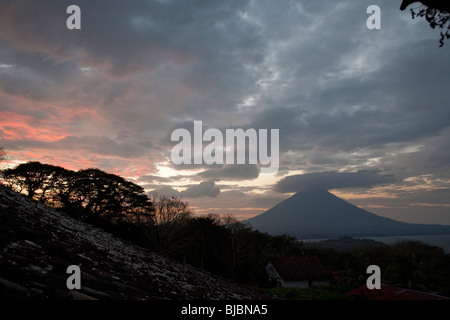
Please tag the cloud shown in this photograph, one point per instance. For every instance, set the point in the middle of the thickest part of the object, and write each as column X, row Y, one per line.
column 428, row 156
column 165, row 191
column 232, row 172
column 141, row 64
column 151, row 178
column 344, row 98
column 331, row 180
column 99, row 145
column 204, row 189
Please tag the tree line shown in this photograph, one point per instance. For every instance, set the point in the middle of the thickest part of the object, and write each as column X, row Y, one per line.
column 166, row 225
column 217, row 244
column 90, row 194
column 407, row 264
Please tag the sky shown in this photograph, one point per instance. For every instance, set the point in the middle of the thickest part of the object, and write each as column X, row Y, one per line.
column 363, row 113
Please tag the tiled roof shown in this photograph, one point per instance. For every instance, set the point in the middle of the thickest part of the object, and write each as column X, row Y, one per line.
column 37, row 245
column 387, row 292
column 300, row 268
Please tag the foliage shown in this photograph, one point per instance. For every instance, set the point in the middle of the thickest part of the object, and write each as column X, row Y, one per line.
column 436, row 18
column 220, row 245
column 89, row 194
column 413, row 264
column 169, row 234
column 407, row 264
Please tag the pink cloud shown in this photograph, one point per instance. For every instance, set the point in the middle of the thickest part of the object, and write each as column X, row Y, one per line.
column 15, row 126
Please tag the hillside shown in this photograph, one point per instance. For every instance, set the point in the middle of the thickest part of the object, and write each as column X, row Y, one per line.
column 320, row 214
column 343, row 244
column 38, row 244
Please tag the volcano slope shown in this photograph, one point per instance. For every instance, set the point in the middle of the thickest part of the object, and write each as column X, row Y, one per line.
column 320, row 214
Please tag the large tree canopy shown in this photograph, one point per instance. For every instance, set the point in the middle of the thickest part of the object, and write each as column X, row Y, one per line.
column 89, row 193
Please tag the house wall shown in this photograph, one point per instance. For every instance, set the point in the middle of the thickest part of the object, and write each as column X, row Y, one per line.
column 272, row 273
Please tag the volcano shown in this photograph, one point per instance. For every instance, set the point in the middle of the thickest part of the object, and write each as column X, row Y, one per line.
column 320, row 214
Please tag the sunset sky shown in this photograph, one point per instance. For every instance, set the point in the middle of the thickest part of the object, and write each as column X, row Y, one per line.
column 363, row 113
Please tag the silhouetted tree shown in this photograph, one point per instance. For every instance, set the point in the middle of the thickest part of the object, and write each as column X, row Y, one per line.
column 437, row 13
column 240, row 239
column 33, row 177
column 90, row 193
column 167, row 234
column 109, row 196
column 413, row 263
column 63, row 189
column 208, row 248
column 169, row 209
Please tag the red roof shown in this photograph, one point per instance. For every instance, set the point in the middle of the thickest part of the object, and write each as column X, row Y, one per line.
column 388, row 292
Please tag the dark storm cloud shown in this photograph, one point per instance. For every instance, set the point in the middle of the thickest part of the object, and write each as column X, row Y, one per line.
column 393, row 104
column 189, row 58
column 89, row 144
column 345, row 91
column 139, row 65
column 430, row 156
column 128, row 37
column 331, row 180
column 344, row 98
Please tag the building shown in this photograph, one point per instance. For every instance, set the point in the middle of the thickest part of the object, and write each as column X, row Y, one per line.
column 298, row 272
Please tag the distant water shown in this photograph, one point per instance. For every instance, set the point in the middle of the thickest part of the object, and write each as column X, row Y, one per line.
column 442, row 241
